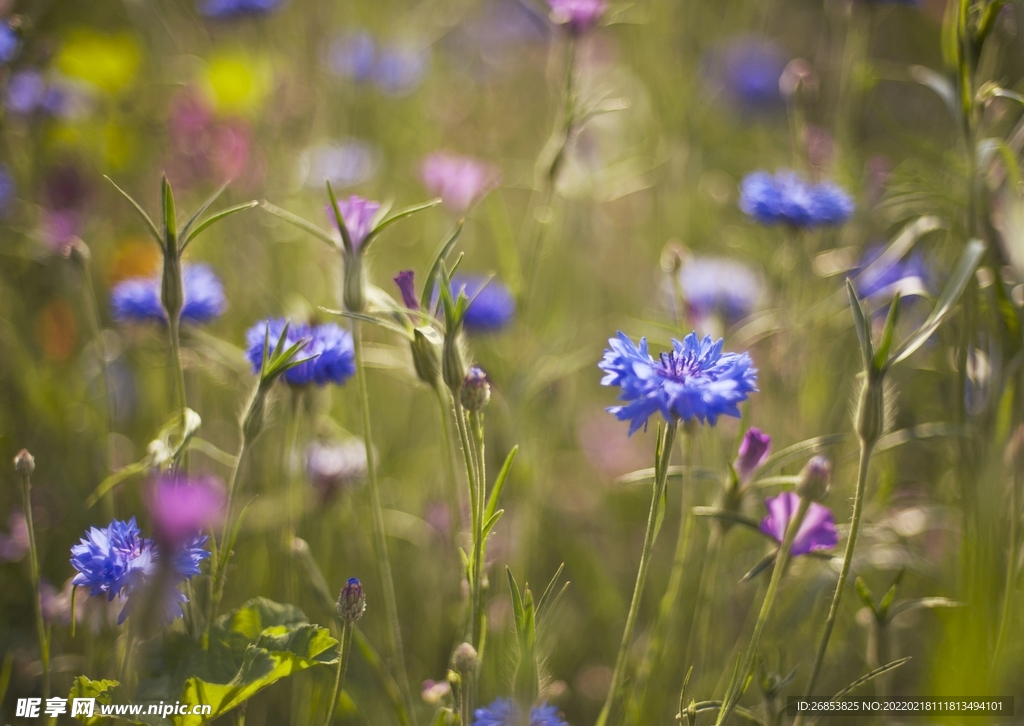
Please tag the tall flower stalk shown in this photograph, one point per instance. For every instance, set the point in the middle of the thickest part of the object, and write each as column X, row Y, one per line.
column 351, row 606
column 25, row 464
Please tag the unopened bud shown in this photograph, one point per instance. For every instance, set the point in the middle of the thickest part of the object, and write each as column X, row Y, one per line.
column 753, row 451
column 353, row 291
column 426, row 355
column 815, row 478
column 24, row 463
column 351, row 601
column 453, row 363
column 871, row 411
column 464, row 659
column 798, row 74
column 476, row 391
column 172, row 294
column 252, row 424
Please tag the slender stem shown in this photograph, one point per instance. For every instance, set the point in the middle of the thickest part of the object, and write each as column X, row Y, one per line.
column 471, row 476
column 380, row 537
column 668, row 607
column 218, row 574
column 641, row 575
column 126, row 657
column 173, row 328
column 292, row 489
column 344, row 651
column 33, row 553
column 454, row 492
column 1011, row 566
column 781, row 560
column 479, row 546
column 844, row 573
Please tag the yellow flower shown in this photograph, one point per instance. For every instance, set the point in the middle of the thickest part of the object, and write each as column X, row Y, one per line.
column 107, row 61
column 237, row 83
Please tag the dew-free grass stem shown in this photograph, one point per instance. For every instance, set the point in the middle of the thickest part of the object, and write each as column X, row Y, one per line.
column 641, row 576
column 380, row 536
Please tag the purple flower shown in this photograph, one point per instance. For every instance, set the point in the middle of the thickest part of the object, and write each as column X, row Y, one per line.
column 223, row 9
column 352, row 55
column 578, row 16
column 752, row 454
column 14, row 546
column 787, row 197
column 25, row 91
column 358, row 214
column 746, row 69
column 330, row 351
column 719, row 286
column 881, row 279
column 8, row 43
column 406, row 281
column 459, row 180
column 400, row 69
column 695, row 380
column 332, row 466
column 138, row 299
column 117, row 561
column 180, row 507
column 817, row 532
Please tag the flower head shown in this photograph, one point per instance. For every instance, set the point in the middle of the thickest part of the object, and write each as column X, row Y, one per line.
column 137, row 299
column 9, row 43
column 491, row 306
column 578, row 16
column 330, row 351
column 695, row 380
column 459, row 180
column 910, row 276
column 331, row 466
column 787, row 197
column 181, row 508
column 406, row 281
column 358, row 214
column 351, row 601
column 818, row 531
column 746, row 69
column 223, row 9
column 753, row 451
column 504, row 712
column 117, row 561
column 719, row 286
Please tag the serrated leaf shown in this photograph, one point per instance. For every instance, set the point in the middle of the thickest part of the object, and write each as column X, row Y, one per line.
column 962, row 274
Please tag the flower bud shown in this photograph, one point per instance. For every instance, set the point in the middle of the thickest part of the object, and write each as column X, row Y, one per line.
column 753, row 451
column 353, row 291
column 426, row 355
column 351, row 601
column 815, row 478
column 871, row 411
column 24, row 463
column 453, row 360
column 464, row 659
column 476, row 391
column 172, row 294
column 252, row 424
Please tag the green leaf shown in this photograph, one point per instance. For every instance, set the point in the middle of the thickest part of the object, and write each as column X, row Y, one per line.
column 924, row 603
column 799, row 450
column 102, row 690
column 865, row 594
column 122, row 474
column 499, row 483
column 373, row 320
column 763, row 564
column 170, row 220
column 727, row 515
column 439, row 257
column 491, row 521
column 301, row 223
column 860, row 323
column 868, row 677
column 400, row 214
column 962, row 274
column 885, row 344
column 551, row 586
column 889, row 596
column 214, row 218
column 202, row 209
column 142, row 213
column 346, row 239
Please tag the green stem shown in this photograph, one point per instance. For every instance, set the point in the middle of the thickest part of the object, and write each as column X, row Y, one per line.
column 844, row 573
column 781, row 560
column 641, row 575
column 1011, row 566
column 33, row 553
column 479, row 546
column 668, row 607
column 380, row 536
column 705, row 588
column 344, row 651
column 471, row 476
column 173, row 328
column 453, row 490
column 218, row 574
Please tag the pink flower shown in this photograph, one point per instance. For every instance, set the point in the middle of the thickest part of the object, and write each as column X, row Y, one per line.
column 753, row 451
column 817, row 532
column 181, row 507
column 460, row 181
column 358, row 214
column 578, row 15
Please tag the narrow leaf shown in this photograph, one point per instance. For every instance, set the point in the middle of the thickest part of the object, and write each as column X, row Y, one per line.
column 499, row 483
column 865, row 594
column 142, row 213
column 214, row 218
column 346, row 239
column 170, row 221
column 860, row 323
column 400, row 214
column 885, row 344
column 762, row 565
column 491, row 521
column 550, row 587
column 727, row 516
column 439, row 257
column 202, row 210
column 301, row 223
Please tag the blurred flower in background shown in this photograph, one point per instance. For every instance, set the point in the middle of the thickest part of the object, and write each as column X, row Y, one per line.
column 344, row 163
column 205, row 147
column 237, row 82
column 108, row 62
column 745, row 70
column 461, row 181
column 817, row 532
column 396, row 68
column 9, row 43
column 180, row 506
column 578, row 16
column 8, row 189
column 14, row 545
column 330, row 350
column 332, row 466
column 491, row 43
column 400, row 68
column 504, row 712
column 138, row 299
column 492, row 306
column 352, row 55
column 788, row 198
column 910, row 276
column 717, row 287
column 224, row 9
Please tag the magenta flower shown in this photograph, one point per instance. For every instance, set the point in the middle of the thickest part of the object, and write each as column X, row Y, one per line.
column 578, row 16
column 358, row 214
column 818, row 531
column 406, row 281
column 181, row 507
column 460, row 181
column 753, row 451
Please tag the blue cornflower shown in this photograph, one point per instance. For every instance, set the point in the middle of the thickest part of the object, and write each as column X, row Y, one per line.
column 492, row 305
column 719, row 286
column 330, row 350
column 504, row 712
column 695, row 380
column 746, row 69
column 138, row 299
column 222, row 9
column 9, row 43
column 117, row 561
column 909, row 275
column 787, row 197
